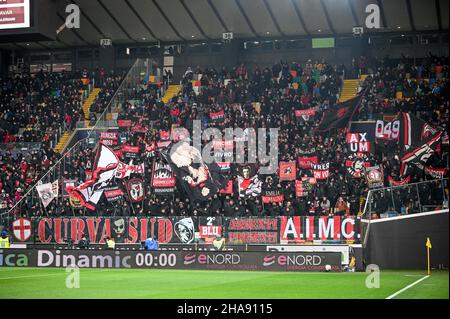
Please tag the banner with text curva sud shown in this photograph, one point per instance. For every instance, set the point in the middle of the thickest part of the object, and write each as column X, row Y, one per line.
column 188, row 230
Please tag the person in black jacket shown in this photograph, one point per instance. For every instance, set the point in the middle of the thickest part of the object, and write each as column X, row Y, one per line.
column 228, row 207
column 83, row 243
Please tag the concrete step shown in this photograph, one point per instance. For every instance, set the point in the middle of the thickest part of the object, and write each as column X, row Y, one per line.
column 62, row 141
column 89, row 101
column 171, row 91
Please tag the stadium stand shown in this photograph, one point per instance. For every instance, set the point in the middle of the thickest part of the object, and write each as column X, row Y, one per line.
column 256, row 98
column 41, row 109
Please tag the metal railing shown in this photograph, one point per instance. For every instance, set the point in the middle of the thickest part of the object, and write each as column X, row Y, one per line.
column 131, row 81
column 406, row 199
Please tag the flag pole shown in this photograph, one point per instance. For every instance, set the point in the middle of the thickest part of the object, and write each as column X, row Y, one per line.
column 428, row 244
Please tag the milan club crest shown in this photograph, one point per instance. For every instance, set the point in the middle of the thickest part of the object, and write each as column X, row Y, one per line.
column 356, row 163
column 136, row 190
column 22, row 229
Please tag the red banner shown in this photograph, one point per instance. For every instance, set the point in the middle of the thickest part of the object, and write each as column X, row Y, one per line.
column 113, row 194
column 357, row 142
column 436, row 172
column 223, row 144
column 124, row 123
column 210, row 231
column 287, row 171
column 274, row 196
column 217, row 116
column 164, row 135
column 108, row 135
column 307, row 112
column 309, row 228
column 130, row 149
column 393, row 182
column 299, row 191
column 109, row 138
column 252, row 230
column 228, row 189
column 306, row 161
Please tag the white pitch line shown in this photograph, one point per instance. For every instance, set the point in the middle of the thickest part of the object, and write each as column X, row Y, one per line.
column 407, row 287
column 30, row 276
column 33, row 276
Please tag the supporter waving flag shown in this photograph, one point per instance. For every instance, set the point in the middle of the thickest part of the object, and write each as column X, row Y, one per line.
column 418, row 141
column 199, row 180
column 47, row 192
column 105, row 167
column 249, row 184
column 340, row 117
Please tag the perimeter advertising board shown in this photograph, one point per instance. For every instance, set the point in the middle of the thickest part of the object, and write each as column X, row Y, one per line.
column 261, row 261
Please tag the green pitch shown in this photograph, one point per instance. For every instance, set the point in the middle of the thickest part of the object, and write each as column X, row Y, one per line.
column 181, row 284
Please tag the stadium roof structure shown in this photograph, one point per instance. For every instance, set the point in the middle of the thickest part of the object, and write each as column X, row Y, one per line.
column 147, row 21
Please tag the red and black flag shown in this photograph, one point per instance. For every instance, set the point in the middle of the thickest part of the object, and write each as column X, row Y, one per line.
column 355, row 163
column 339, row 118
column 437, row 173
column 418, row 141
column 287, row 171
column 105, row 167
column 394, row 182
column 163, row 180
column 217, row 117
column 136, row 190
column 113, row 194
column 249, row 184
column 130, row 151
column 109, row 138
column 375, row 176
column 303, row 187
column 321, row 171
column 198, row 179
column 307, row 161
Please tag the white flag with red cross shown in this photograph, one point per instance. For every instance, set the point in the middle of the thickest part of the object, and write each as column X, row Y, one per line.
column 22, row 229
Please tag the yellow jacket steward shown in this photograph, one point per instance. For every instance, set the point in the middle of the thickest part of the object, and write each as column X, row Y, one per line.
column 4, row 242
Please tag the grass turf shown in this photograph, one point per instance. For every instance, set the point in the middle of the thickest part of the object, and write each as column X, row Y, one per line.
column 197, row 284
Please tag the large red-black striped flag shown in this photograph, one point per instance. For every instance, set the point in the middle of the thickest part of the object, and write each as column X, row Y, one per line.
column 418, row 141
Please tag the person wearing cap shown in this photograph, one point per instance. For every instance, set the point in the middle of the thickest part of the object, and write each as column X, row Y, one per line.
column 83, row 243
column 4, row 239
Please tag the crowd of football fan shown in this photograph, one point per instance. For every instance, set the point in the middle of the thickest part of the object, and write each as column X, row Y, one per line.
column 33, row 109
column 424, row 87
